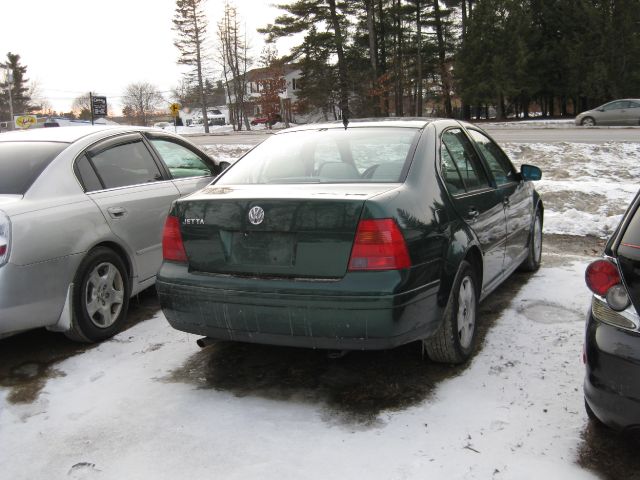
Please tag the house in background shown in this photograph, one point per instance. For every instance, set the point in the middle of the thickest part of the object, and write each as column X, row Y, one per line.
column 290, row 72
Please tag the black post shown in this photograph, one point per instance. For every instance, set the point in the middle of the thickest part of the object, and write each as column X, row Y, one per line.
column 91, row 106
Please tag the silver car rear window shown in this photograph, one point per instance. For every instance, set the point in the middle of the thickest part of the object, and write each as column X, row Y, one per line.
column 22, row 162
column 334, row 155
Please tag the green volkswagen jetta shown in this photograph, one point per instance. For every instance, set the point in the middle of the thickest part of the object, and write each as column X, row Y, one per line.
column 367, row 236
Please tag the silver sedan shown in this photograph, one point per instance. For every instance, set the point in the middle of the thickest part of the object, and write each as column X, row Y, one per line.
column 81, row 216
column 618, row 112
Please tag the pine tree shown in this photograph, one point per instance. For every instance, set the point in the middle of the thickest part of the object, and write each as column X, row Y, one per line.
column 19, row 90
column 190, row 23
column 305, row 15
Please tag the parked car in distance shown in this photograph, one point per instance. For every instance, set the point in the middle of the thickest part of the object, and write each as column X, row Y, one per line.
column 612, row 340
column 267, row 120
column 365, row 237
column 618, row 112
column 81, row 217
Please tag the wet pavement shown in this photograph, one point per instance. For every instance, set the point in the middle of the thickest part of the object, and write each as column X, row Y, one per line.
column 355, row 388
column 28, row 360
column 613, row 455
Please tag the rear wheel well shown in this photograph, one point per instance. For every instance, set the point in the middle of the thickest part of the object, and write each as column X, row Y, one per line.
column 474, row 257
column 120, row 252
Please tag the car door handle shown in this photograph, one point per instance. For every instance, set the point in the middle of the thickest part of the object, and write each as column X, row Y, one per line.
column 117, row 212
column 506, row 202
column 473, row 213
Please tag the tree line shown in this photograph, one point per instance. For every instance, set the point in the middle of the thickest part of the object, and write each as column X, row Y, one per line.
column 462, row 58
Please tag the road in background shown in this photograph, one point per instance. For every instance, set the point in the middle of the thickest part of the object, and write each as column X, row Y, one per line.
column 512, row 134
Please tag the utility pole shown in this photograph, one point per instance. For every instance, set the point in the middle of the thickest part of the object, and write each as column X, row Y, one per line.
column 91, row 106
column 9, row 81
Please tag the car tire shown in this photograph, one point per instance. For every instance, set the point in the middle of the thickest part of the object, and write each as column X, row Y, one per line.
column 588, row 122
column 534, row 258
column 591, row 415
column 454, row 341
column 100, row 297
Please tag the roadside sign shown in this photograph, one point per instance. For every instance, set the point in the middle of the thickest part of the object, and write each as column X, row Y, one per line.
column 25, row 121
column 99, row 106
column 175, row 109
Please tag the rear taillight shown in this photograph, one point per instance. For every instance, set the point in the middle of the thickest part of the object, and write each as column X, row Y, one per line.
column 172, row 246
column 600, row 276
column 5, row 238
column 603, row 279
column 379, row 245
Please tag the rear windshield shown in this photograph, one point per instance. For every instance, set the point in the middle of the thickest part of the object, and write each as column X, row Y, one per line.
column 336, row 155
column 22, row 162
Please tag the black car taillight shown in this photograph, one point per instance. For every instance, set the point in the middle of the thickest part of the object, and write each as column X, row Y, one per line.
column 603, row 279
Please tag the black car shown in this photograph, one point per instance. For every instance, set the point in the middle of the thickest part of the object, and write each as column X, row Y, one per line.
column 368, row 236
column 612, row 341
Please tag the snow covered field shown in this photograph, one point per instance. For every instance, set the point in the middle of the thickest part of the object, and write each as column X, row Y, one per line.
column 150, row 405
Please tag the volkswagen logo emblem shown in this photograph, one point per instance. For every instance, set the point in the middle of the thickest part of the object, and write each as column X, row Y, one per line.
column 256, row 215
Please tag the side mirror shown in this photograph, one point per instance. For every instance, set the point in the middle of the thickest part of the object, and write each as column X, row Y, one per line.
column 601, row 109
column 530, row 173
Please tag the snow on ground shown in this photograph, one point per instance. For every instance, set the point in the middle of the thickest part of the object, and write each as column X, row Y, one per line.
column 586, row 188
column 117, row 411
column 198, row 129
column 533, row 122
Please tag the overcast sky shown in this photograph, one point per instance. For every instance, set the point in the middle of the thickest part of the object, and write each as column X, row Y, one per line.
column 73, row 46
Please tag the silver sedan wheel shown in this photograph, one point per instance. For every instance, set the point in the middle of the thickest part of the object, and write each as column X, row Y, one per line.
column 588, row 122
column 104, row 295
column 466, row 312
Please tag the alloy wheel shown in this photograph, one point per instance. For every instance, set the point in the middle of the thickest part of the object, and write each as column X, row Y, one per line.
column 104, row 295
column 537, row 240
column 466, row 312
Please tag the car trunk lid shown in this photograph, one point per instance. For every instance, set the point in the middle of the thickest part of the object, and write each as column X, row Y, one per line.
column 292, row 230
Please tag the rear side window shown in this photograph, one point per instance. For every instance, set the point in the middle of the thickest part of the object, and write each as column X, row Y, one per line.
column 457, row 148
column 22, row 162
column 333, row 155
column 497, row 161
column 125, row 164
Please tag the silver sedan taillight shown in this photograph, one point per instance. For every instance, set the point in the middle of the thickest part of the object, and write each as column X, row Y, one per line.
column 5, row 238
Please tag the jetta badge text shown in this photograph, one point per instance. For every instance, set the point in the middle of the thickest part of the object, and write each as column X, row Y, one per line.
column 256, row 215
column 193, row 221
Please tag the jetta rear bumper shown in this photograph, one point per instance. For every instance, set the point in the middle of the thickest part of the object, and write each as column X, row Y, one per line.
column 298, row 313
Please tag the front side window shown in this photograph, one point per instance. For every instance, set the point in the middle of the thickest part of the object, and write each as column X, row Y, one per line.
column 497, row 161
column 613, row 106
column 22, row 162
column 464, row 158
column 335, row 155
column 125, row 164
column 181, row 161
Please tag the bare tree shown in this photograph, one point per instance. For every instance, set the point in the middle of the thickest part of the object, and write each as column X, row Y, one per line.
column 190, row 23
column 142, row 99
column 81, row 107
column 234, row 60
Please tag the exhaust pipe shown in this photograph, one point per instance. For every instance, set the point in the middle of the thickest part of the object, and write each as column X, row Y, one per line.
column 205, row 342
